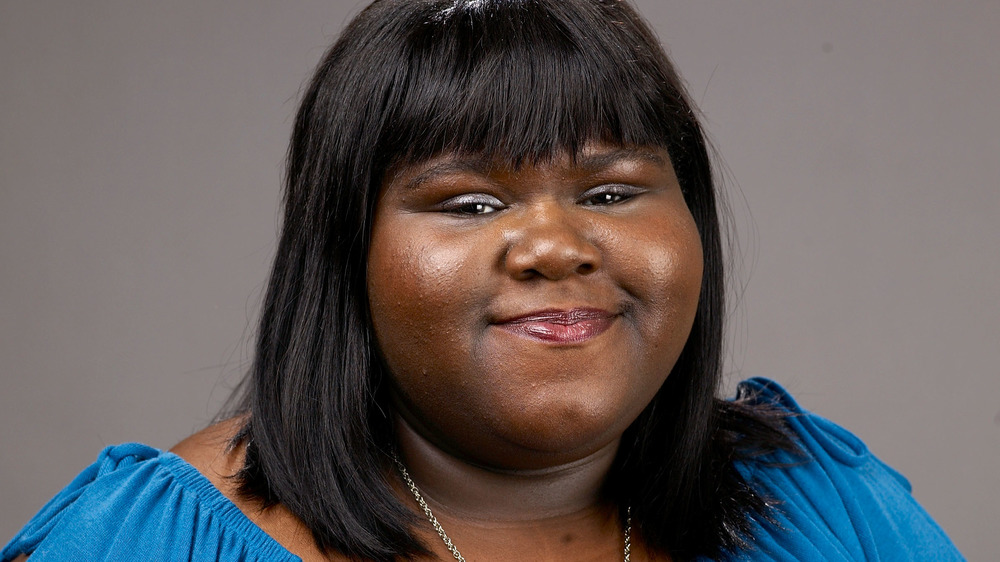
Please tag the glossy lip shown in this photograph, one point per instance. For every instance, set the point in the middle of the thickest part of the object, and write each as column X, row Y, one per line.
column 560, row 326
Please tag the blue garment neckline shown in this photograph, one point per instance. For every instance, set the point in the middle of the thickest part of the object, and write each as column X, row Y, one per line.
column 192, row 479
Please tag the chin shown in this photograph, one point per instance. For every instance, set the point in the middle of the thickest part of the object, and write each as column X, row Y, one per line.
column 556, row 433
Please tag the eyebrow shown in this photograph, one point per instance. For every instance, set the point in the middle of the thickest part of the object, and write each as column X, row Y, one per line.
column 482, row 166
column 605, row 160
column 479, row 166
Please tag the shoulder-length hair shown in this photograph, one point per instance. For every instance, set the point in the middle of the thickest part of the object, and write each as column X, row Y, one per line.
column 518, row 81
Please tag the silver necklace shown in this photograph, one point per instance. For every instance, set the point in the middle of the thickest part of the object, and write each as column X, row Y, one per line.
column 447, row 540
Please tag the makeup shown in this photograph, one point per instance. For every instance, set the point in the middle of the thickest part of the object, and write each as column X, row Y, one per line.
column 561, row 326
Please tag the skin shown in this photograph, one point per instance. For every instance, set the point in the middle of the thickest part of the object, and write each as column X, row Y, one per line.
column 510, row 435
column 459, row 245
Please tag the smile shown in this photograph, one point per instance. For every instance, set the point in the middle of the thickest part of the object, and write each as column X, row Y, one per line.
column 560, row 326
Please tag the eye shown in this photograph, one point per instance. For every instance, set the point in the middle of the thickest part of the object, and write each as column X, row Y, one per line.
column 610, row 194
column 472, row 204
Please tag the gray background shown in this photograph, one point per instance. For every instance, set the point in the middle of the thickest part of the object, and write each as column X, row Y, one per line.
column 140, row 161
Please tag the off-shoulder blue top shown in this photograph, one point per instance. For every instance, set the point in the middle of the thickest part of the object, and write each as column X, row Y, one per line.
column 837, row 503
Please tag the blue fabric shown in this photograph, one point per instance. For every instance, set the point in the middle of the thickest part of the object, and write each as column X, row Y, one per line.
column 838, row 502
column 137, row 503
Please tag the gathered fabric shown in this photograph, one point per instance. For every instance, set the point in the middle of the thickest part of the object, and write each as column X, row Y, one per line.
column 837, row 501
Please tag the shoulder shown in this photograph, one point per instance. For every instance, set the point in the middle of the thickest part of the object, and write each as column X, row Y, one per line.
column 834, row 495
column 137, row 502
column 213, row 453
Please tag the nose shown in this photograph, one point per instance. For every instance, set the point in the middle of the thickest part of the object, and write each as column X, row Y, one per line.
column 546, row 243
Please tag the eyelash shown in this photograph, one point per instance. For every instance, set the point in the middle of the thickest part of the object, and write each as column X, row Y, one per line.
column 613, row 193
column 472, row 205
column 478, row 204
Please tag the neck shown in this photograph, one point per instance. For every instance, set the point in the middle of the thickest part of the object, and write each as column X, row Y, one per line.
column 461, row 489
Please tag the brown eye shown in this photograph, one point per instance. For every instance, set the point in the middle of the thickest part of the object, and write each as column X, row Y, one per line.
column 608, row 195
column 472, row 205
column 604, row 199
column 475, row 209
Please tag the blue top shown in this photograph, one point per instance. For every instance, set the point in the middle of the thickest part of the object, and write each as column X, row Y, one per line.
column 139, row 503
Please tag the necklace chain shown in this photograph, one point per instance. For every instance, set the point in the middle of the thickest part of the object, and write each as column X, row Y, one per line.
column 447, row 540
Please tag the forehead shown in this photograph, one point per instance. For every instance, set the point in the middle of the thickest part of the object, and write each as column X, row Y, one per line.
column 592, row 158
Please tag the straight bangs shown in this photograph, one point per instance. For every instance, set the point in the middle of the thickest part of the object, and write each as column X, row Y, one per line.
column 520, row 81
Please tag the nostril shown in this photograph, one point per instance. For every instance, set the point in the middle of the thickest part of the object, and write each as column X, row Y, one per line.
column 529, row 274
column 585, row 268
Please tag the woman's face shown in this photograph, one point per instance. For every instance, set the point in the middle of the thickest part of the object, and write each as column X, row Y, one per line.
column 527, row 316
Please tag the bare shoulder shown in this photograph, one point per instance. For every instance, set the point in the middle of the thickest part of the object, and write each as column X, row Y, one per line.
column 212, row 452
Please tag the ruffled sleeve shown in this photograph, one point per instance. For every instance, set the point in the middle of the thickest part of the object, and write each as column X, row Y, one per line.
column 138, row 503
column 837, row 501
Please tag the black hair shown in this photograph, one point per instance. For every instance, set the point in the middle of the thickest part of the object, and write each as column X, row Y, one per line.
column 518, row 81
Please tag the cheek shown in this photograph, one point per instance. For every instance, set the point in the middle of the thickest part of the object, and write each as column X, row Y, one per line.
column 401, row 268
column 426, row 297
column 663, row 271
column 421, row 291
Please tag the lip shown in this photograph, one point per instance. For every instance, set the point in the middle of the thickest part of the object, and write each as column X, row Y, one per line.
column 574, row 325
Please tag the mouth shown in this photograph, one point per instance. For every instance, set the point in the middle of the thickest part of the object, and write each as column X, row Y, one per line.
column 560, row 326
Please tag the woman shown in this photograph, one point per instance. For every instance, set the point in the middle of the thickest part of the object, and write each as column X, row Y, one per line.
column 493, row 331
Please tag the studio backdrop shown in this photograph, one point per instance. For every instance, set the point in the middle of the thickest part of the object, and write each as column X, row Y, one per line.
column 141, row 150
